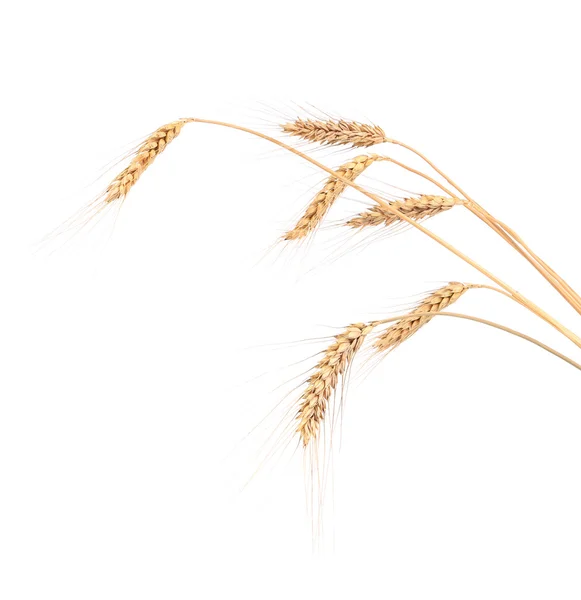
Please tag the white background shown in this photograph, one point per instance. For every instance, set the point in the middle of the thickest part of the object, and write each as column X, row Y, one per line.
column 135, row 362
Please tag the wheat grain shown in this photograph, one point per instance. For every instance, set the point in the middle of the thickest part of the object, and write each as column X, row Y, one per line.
column 323, row 201
column 418, row 209
column 323, row 382
column 336, row 132
column 146, row 153
column 402, row 330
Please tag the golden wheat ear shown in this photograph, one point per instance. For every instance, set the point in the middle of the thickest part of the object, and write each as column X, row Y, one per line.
column 323, row 201
column 336, row 132
column 418, row 209
column 324, row 381
column 145, row 154
column 393, row 336
column 111, row 199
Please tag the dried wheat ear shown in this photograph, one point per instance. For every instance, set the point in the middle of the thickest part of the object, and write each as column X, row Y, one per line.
column 420, row 208
column 323, row 382
column 402, row 330
column 336, row 132
column 323, row 201
column 153, row 146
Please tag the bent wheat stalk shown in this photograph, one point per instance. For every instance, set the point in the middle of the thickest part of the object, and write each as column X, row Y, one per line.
column 523, row 336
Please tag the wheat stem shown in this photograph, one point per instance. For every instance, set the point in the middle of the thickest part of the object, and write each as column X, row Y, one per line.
column 523, row 336
column 570, row 295
column 562, row 287
column 520, row 241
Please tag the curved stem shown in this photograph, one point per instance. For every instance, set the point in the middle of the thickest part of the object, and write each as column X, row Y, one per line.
column 518, row 239
column 517, row 296
column 560, row 285
column 416, row 172
column 431, row 164
column 523, row 336
column 490, row 287
column 570, row 295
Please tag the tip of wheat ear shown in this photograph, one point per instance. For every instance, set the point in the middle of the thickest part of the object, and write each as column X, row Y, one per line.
column 418, row 209
column 323, row 201
column 143, row 157
column 437, row 301
column 324, row 380
column 336, row 132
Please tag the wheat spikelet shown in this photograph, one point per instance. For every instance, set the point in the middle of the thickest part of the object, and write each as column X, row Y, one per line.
column 437, row 301
column 335, row 132
column 323, row 382
column 146, row 153
column 323, row 201
column 418, row 209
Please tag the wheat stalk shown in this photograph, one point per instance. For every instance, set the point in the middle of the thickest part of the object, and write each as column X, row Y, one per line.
column 402, row 330
column 153, row 146
column 336, row 132
column 323, row 382
column 417, row 209
column 323, row 201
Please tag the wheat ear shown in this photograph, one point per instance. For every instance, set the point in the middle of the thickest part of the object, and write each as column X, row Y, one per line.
column 323, row 201
column 146, row 153
column 402, row 330
column 336, row 132
column 324, row 380
column 418, row 209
